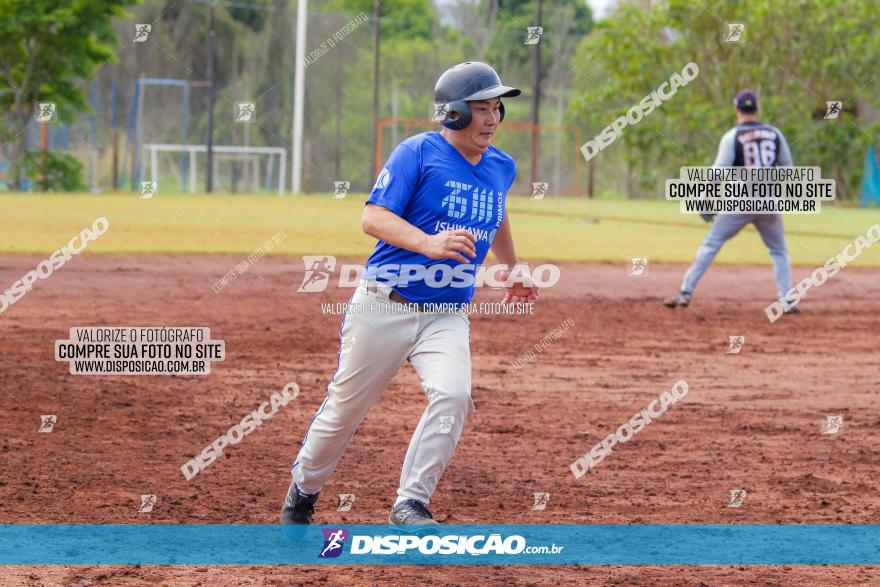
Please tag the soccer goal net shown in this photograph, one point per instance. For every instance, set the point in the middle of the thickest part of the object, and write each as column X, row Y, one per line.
column 236, row 169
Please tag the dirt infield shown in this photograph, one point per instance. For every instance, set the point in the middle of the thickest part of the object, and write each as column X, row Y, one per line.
column 751, row 420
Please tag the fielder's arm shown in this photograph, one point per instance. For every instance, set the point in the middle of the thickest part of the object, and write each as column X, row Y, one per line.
column 383, row 224
column 725, row 158
column 726, row 150
column 784, row 157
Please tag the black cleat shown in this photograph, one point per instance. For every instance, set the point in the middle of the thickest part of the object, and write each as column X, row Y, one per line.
column 299, row 507
column 681, row 300
column 411, row 513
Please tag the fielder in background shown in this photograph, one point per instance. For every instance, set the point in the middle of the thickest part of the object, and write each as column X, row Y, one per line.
column 749, row 144
column 440, row 202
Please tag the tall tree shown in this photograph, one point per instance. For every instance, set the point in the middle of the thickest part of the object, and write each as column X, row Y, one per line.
column 535, row 59
column 48, row 52
column 795, row 55
column 392, row 20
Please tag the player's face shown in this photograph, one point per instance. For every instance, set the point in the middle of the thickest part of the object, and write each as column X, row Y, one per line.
column 485, row 116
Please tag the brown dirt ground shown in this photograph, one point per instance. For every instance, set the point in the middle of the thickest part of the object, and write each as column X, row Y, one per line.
column 751, row 420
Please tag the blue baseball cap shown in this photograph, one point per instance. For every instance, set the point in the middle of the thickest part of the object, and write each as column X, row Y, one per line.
column 746, row 101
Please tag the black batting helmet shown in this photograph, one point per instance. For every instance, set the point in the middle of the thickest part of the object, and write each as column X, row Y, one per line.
column 463, row 83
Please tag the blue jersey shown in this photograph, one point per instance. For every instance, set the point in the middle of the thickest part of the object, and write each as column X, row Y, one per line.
column 428, row 183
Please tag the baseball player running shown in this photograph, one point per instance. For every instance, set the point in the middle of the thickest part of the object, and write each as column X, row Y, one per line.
column 749, row 144
column 438, row 203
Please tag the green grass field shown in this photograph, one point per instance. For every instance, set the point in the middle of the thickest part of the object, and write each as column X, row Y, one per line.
column 550, row 229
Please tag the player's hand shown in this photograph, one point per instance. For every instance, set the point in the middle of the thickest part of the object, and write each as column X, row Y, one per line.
column 517, row 293
column 450, row 244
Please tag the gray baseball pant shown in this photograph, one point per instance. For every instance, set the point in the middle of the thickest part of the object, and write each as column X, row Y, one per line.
column 724, row 228
column 377, row 337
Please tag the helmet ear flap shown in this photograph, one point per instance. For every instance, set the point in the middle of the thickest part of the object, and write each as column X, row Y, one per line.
column 463, row 110
column 501, row 110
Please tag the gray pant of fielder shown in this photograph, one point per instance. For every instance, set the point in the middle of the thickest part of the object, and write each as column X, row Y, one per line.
column 724, row 228
column 377, row 337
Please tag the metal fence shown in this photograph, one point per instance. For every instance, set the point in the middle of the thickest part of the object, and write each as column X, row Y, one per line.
column 157, row 94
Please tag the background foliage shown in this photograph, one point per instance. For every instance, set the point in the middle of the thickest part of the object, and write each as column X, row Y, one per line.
column 795, row 55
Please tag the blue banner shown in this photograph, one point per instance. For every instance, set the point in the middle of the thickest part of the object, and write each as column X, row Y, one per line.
column 871, row 180
column 638, row 544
